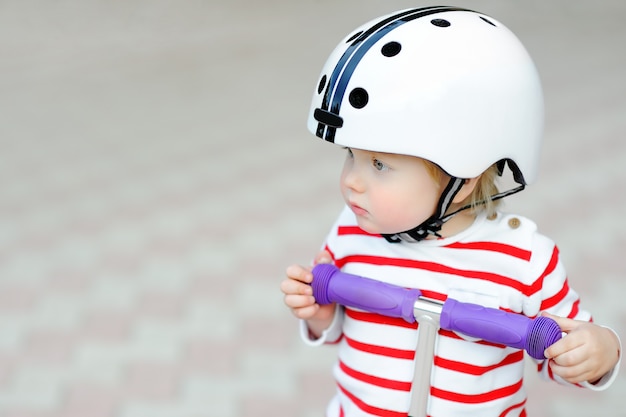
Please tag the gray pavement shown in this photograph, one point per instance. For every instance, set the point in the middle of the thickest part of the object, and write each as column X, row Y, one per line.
column 156, row 177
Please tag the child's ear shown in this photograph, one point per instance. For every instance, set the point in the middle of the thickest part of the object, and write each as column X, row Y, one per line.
column 466, row 190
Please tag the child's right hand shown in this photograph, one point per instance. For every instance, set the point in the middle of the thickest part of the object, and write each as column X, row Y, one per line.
column 299, row 296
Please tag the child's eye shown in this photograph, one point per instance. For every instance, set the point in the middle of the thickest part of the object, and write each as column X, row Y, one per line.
column 379, row 165
column 350, row 155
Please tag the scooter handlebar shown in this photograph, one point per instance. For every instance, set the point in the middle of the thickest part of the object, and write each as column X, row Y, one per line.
column 490, row 324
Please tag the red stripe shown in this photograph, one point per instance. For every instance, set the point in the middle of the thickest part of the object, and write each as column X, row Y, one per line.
column 477, row 398
column 354, row 230
column 452, row 335
column 550, row 373
column 485, row 246
column 467, row 368
column 513, row 407
column 575, row 310
column 556, row 298
column 381, row 412
column 434, row 295
column 380, row 350
column 379, row 319
column 540, row 366
column 408, row 354
column 331, row 253
column 554, row 260
column 494, row 247
column 374, row 380
column 527, row 290
column 394, row 321
column 439, row 268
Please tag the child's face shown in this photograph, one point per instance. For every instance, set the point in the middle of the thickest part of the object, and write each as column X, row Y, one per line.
column 388, row 193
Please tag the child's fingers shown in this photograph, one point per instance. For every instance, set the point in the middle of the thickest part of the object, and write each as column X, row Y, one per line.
column 291, row 286
column 576, row 366
column 564, row 346
column 306, row 313
column 299, row 301
column 570, row 357
column 573, row 374
column 577, row 333
column 299, row 273
column 566, row 325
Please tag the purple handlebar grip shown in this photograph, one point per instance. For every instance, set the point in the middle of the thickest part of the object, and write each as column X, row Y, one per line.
column 330, row 285
column 497, row 326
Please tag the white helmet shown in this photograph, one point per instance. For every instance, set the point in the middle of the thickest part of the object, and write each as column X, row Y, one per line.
column 445, row 84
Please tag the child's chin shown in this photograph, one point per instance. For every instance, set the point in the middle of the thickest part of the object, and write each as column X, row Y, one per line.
column 368, row 228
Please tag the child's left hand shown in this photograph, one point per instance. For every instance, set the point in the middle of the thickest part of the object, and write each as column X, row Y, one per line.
column 586, row 353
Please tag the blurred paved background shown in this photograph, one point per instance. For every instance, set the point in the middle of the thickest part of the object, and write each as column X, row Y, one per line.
column 156, row 177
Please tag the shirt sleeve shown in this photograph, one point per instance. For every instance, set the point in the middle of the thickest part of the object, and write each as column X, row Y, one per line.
column 558, row 298
column 331, row 335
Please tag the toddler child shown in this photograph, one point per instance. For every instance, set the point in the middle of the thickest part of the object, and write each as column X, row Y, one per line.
column 432, row 105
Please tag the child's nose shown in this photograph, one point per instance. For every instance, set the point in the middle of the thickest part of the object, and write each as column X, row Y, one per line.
column 353, row 180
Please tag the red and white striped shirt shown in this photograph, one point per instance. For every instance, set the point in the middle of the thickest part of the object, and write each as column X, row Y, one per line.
column 502, row 263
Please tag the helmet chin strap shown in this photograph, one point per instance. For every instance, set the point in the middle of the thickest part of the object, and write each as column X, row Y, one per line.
column 434, row 223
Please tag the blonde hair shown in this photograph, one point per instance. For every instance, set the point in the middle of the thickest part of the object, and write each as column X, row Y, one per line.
column 479, row 201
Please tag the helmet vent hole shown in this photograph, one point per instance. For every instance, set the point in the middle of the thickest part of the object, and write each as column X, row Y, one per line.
column 358, row 98
column 321, row 85
column 442, row 23
column 353, row 37
column 488, row 21
column 391, row 49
